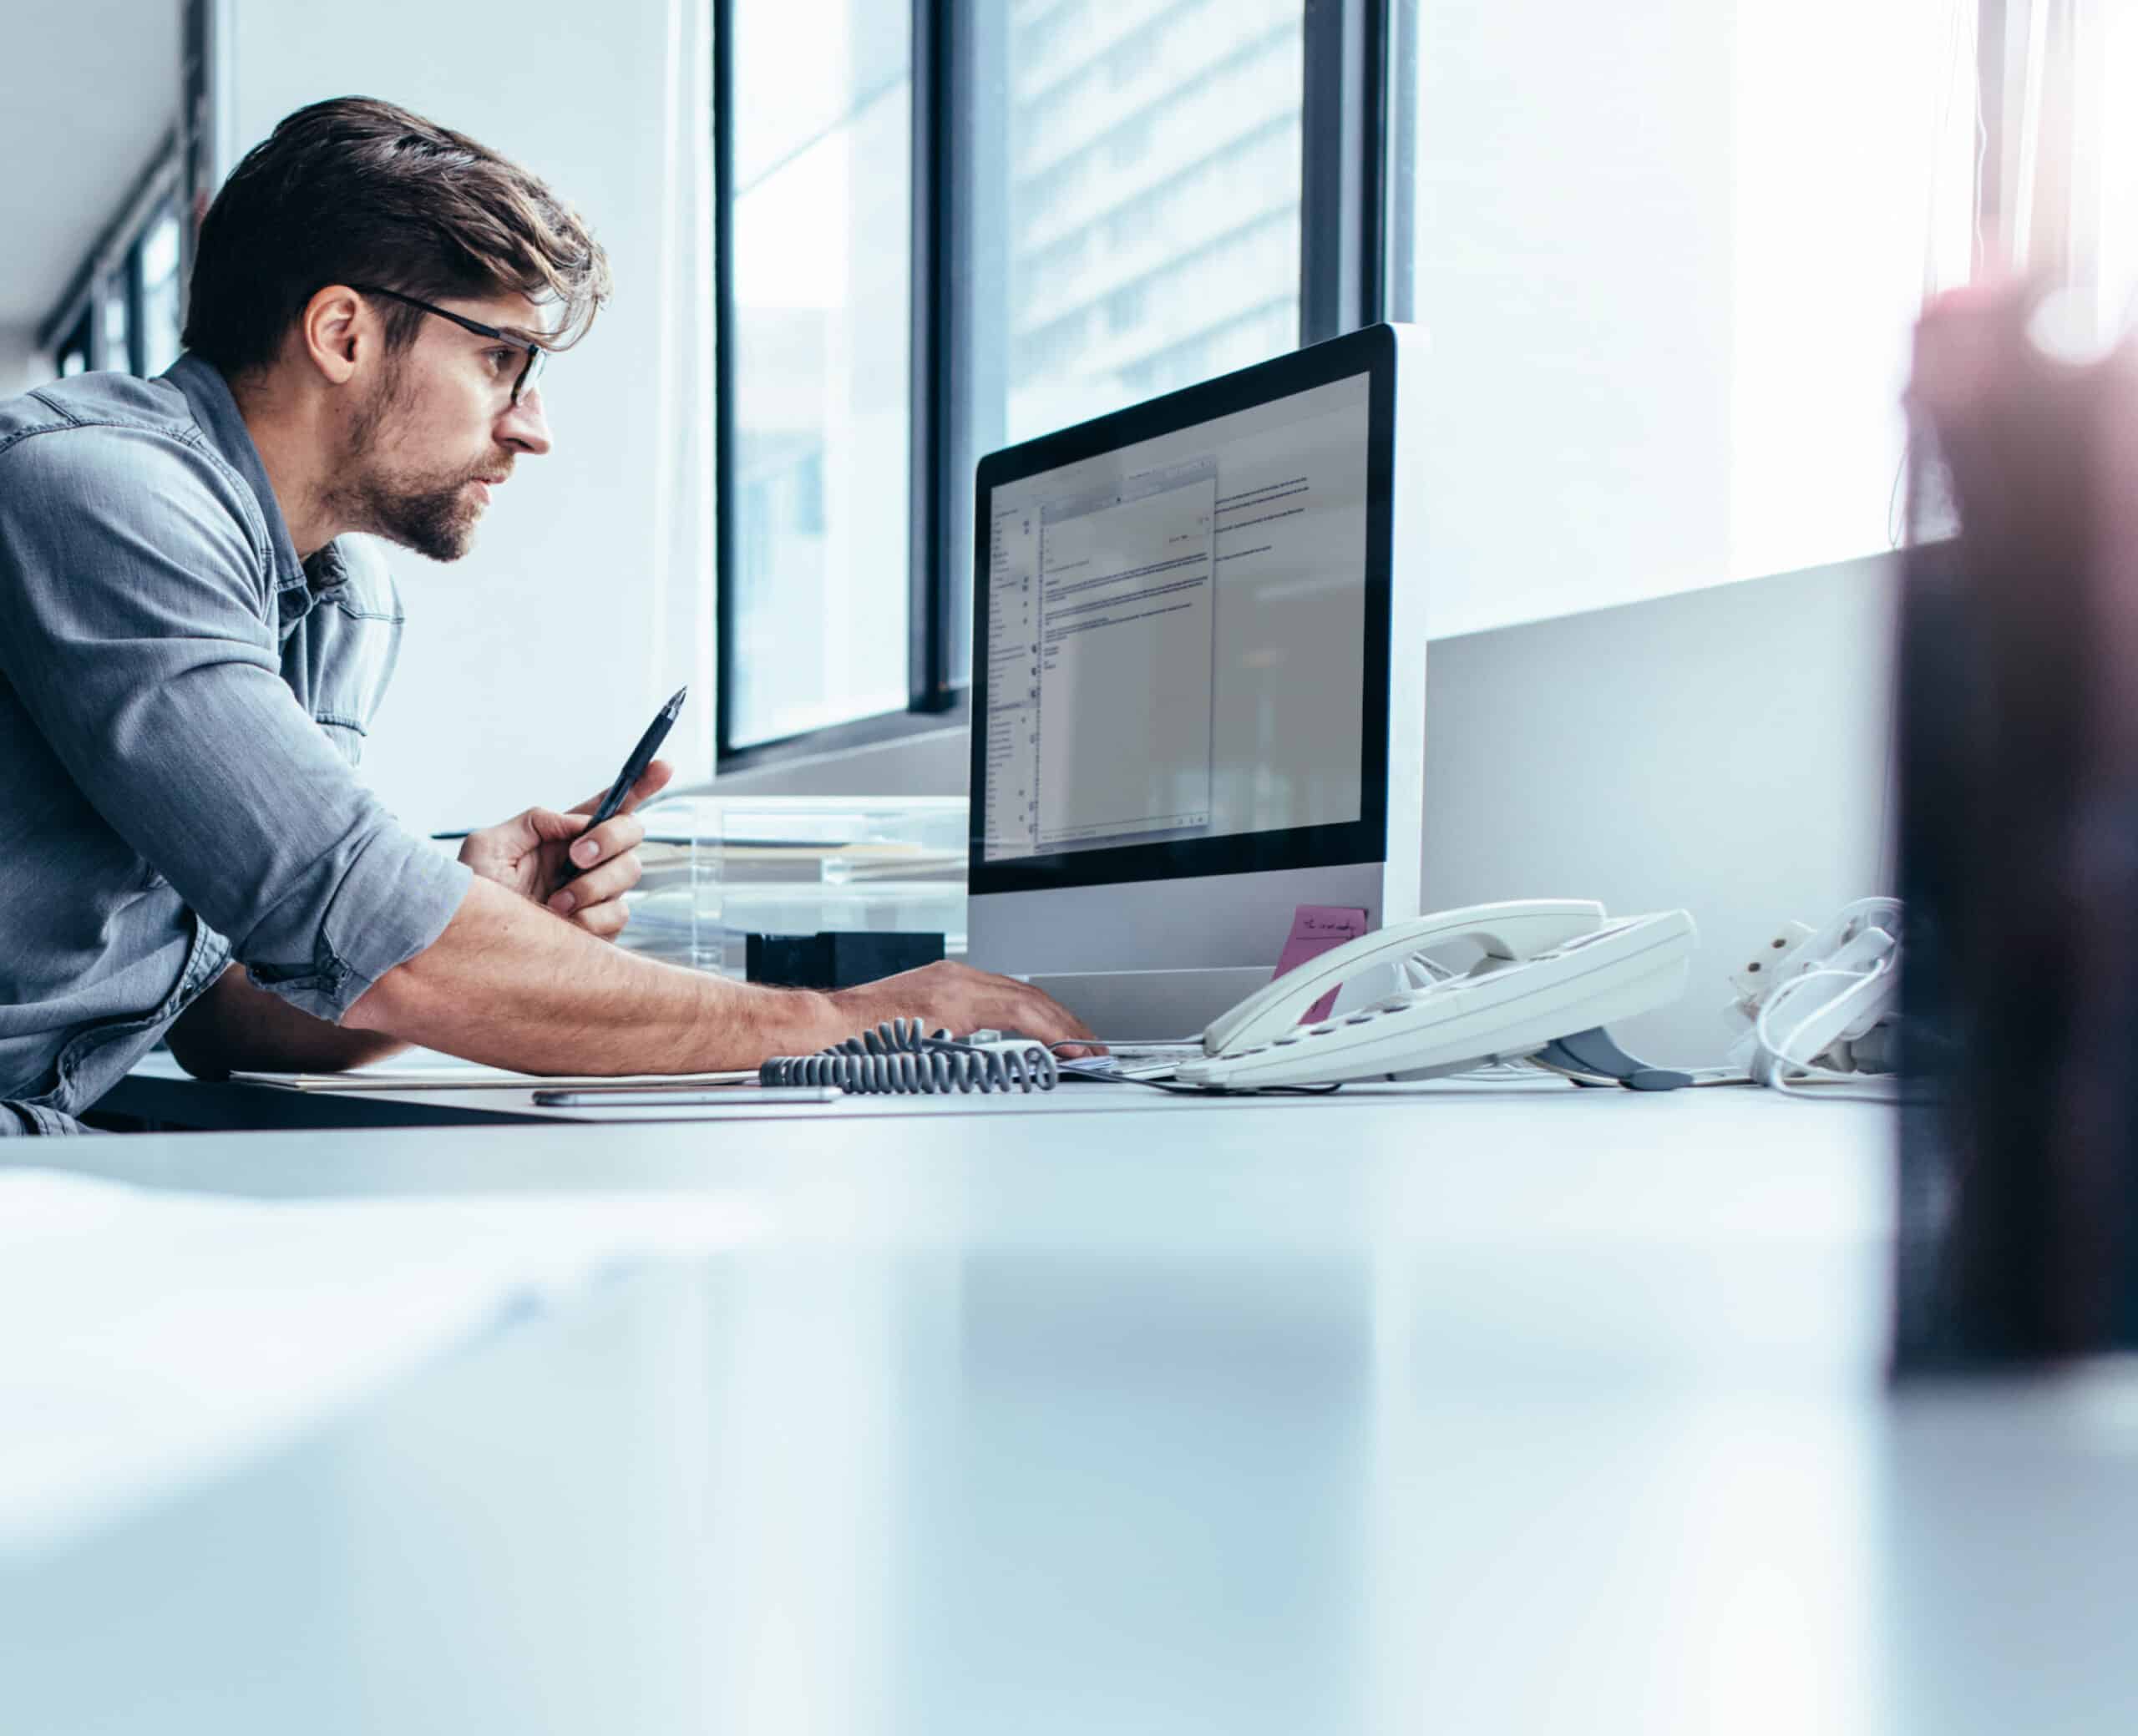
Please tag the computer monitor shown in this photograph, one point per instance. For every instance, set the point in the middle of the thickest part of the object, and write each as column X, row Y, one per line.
column 1198, row 683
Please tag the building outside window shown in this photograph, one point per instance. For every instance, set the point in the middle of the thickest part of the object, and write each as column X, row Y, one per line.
column 1146, row 164
column 1145, row 204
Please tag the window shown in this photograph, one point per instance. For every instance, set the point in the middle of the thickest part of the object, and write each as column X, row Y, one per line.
column 2115, row 195
column 125, row 309
column 1133, row 193
column 2063, row 188
column 73, row 357
column 816, row 369
column 115, row 318
column 1671, row 256
column 155, row 267
column 1110, row 198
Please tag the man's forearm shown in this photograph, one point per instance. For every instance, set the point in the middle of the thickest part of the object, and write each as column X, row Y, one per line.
column 511, row 984
column 237, row 1024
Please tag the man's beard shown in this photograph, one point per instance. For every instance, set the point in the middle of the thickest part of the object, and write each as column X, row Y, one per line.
column 438, row 523
column 434, row 516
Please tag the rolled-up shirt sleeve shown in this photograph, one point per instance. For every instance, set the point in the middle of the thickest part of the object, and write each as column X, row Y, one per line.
column 137, row 625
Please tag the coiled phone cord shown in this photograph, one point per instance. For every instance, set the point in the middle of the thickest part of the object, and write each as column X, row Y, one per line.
column 900, row 1058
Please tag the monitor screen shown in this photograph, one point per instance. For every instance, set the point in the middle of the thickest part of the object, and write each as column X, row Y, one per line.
column 1175, row 634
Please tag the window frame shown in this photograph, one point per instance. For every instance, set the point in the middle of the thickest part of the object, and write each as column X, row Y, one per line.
column 114, row 263
column 1346, row 101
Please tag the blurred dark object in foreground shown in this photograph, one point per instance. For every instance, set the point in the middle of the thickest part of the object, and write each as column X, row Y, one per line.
column 2019, row 762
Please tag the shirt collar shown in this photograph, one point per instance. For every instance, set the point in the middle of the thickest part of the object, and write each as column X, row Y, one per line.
column 298, row 584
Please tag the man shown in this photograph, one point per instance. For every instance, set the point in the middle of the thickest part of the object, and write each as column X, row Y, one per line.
column 192, row 644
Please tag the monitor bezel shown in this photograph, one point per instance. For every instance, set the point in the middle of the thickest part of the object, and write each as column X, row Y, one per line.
column 1371, row 351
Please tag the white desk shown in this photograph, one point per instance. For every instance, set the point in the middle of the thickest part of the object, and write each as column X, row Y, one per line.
column 1546, row 1412
column 160, row 1092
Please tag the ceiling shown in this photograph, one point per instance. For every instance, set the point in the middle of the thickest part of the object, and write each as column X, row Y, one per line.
column 87, row 89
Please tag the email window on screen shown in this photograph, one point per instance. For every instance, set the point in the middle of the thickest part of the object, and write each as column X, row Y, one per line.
column 1176, row 634
column 1125, row 639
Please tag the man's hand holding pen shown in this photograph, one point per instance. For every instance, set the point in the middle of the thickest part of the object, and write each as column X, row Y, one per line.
column 580, row 864
column 534, row 852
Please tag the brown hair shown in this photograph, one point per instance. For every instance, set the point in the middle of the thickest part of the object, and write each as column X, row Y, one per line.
column 354, row 190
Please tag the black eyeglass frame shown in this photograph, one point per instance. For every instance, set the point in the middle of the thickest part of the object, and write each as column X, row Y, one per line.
column 531, row 370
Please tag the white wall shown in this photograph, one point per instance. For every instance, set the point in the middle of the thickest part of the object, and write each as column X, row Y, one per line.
column 1671, row 255
column 22, row 363
column 1725, row 750
column 530, row 666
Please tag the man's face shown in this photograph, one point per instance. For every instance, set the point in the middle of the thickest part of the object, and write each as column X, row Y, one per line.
column 437, row 430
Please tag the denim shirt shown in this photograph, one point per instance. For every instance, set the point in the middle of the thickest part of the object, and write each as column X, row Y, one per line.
column 182, row 708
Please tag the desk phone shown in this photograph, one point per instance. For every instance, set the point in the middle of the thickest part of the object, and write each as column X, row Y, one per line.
column 1553, row 973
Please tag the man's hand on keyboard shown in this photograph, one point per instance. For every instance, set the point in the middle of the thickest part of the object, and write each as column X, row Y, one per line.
column 959, row 999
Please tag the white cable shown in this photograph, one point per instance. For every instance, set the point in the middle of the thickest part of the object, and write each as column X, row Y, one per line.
column 1772, row 1062
column 1877, row 907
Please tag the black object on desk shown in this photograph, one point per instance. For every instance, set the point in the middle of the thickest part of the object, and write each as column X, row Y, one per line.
column 828, row 961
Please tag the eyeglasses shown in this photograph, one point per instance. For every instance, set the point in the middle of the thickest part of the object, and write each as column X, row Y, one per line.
column 531, row 370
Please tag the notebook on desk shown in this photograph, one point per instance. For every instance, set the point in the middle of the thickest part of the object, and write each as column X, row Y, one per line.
column 425, row 1069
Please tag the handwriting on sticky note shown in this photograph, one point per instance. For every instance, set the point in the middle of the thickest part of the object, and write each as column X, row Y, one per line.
column 1316, row 929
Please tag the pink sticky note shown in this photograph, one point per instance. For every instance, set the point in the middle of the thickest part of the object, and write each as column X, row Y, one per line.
column 1316, row 929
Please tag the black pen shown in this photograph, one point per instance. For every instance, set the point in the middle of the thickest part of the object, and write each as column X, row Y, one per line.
column 649, row 744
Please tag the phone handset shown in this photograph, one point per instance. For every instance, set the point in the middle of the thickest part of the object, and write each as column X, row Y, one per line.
column 1518, row 928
